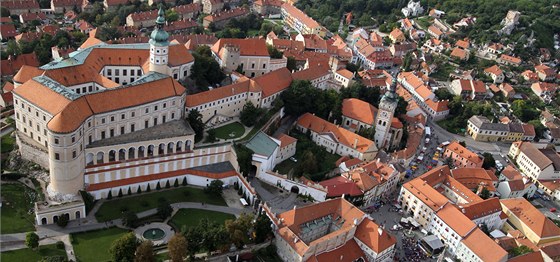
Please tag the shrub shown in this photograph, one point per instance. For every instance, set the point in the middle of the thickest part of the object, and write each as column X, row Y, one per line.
column 167, row 184
column 120, row 193
column 148, row 188
column 110, row 195
column 139, row 190
column 158, row 187
column 176, row 184
column 62, row 221
column 129, row 191
column 60, row 245
column 185, row 181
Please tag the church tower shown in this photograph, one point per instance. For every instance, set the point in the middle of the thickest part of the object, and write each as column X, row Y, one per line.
column 387, row 107
column 159, row 46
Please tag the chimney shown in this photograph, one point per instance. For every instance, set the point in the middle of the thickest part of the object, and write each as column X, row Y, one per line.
column 355, row 142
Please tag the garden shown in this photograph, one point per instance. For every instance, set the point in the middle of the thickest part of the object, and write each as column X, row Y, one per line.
column 190, row 217
column 94, row 245
column 230, row 131
column 113, row 209
column 17, row 208
column 28, row 254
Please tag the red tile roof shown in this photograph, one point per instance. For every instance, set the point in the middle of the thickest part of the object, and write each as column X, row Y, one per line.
column 531, row 217
column 338, row 186
column 11, row 65
column 247, row 47
column 226, row 15
column 8, row 30
column 359, row 110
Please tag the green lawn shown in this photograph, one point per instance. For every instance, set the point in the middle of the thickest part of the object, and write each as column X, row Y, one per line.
column 443, row 72
column 235, row 129
column 450, row 124
column 112, row 209
column 17, row 200
column 191, row 217
column 7, row 143
column 161, row 257
column 94, row 246
column 285, row 166
column 28, row 254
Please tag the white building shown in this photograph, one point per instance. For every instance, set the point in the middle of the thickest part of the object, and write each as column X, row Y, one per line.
column 536, row 163
column 412, row 9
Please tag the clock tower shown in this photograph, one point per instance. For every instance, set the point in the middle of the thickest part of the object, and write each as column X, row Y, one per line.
column 387, row 107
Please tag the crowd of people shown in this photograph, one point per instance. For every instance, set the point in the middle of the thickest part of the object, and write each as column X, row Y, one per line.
column 412, row 252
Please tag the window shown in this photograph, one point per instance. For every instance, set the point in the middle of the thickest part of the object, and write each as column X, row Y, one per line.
column 146, row 124
column 122, row 130
column 109, row 72
column 131, row 72
column 164, row 105
column 131, row 127
column 147, row 110
column 116, row 72
column 124, row 72
column 73, row 139
column 102, row 134
column 252, row 65
column 90, row 140
column 112, row 118
column 38, row 128
column 172, row 116
column 155, row 121
column 56, row 141
column 122, row 116
column 56, row 156
column 112, row 133
column 117, row 80
column 264, row 66
column 132, row 114
column 102, row 120
column 155, row 108
column 44, row 118
column 73, row 154
column 163, row 120
column 139, row 72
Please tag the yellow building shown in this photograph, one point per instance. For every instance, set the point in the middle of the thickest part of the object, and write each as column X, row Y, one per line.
column 524, row 217
column 481, row 128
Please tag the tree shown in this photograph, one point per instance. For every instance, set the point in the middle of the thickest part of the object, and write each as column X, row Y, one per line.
column 171, row 15
column 244, row 158
column 291, row 63
column 177, row 246
column 520, row 250
column 263, row 229
column 249, row 114
column 489, row 161
column 239, row 229
column 215, row 187
column 145, row 252
column 194, row 118
column 443, row 94
column 484, row 193
column 539, row 127
column 62, row 220
column 401, row 106
column 129, row 219
column 4, row 12
column 205, row 70
column 32, row 240
column 273, row 52
column 164, row 209
column 308, row 165
column 123, row 248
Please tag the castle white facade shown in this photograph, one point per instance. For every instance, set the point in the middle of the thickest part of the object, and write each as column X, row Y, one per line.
column 109, row 119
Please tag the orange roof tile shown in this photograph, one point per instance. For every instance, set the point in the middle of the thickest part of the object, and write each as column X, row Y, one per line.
column 456, row 148
column 300, row 16
column 345, row 73
column 286, row 140
column 368, row 233
column 273, row 82
column 247, row 47
column 451, row 216
column 217, row 94
column 360, row 110
column 495, row 70
column 339, row 185
column 27, row 72
column 484, row 247
column 510, row 59
column 534, row 256
column 42, row 97
column 226, row 14
column 312, row 73
column 531, row 217
column 396, row 123
column 459, row 53
column 343, row 136
column 349, row 252
column 462, row 44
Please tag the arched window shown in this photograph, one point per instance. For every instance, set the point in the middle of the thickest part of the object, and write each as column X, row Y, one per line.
column 170, row 147
column 141, row 151
column 43, row 221
column 112, row 154
column 179, row 146
column 122, row 154
column 89, row 159
column 55, row 219
column 151, row 150
column 161, row 149
column 131, row 153
column 188, row 145
column 77, row 214
column 100, row 158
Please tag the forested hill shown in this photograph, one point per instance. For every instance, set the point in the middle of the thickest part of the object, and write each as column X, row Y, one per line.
column 541, row 16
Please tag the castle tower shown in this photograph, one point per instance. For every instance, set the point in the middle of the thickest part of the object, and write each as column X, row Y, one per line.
column 159, row 46
column 230, row 58
column 387, row 107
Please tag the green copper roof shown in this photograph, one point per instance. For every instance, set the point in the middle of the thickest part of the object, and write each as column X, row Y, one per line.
column 159, row 37
column 262, row 144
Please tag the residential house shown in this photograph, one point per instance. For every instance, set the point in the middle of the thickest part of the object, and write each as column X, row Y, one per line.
column 469, row 89
column 435, row 32
column 18, row 7
column 397, row 36
column 188, row 11
column 142, row 19
column 462, row 157
column 61, row 6
column 545, row 73
column 8, row 31
column 299, row 21
column 320, row 76
column 509, row 60
column 537, row 163
column 526, row 218
column 545, row 91
column 412, row 9
column 460, row 54
column 268, row 7
column 287, row 147
column 28, row 17
column 336, row 139
column 220, row 18
column 343, row 77
column 212, row 6
column 112, row 5
column 251, row 55
column 495, row 73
